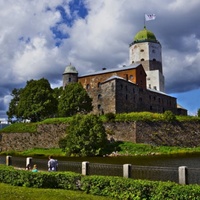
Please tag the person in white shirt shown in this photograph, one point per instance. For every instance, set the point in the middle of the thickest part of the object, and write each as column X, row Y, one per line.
column 52, row 164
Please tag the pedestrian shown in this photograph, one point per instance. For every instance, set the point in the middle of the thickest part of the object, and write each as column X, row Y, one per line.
column 34, row 168
column 52, row 164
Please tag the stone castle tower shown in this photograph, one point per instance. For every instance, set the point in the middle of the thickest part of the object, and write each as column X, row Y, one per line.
column 146, row 49
column 70, row 75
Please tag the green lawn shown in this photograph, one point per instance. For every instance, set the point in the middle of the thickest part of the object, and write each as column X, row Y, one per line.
column 8, row 192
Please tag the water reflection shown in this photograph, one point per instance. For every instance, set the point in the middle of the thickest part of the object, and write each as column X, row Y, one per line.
column 189, row 160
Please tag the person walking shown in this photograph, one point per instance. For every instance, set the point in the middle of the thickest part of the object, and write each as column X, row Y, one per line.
column 52, row 164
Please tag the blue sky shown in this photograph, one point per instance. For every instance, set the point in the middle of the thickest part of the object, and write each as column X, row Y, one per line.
column 40, row 38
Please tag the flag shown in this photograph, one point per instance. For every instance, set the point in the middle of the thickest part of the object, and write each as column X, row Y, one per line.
column 150, row 17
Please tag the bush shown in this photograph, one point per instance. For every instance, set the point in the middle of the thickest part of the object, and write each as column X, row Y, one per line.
column 169, row 116
column 115, row 187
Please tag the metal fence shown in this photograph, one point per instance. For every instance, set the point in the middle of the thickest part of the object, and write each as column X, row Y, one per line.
column 154, row 173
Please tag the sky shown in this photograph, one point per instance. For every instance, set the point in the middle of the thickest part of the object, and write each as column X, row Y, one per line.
column 38, row 39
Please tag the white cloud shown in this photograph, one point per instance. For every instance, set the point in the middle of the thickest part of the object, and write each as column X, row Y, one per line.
column 99, row 40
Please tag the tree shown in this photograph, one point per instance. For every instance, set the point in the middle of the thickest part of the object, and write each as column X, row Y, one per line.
column 12, row 110
column 37, row 101
column 74, row 99
column 198, row 112
column 86, row 136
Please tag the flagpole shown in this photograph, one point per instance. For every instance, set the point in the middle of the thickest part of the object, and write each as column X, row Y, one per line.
column 144, row 20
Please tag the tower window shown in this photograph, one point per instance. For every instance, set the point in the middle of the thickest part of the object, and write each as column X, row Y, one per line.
column 154, row 59
column 132, row 61
column 150, row 86
column 142, row 50
column 99, row 85
column 99, row 96
column 142, row 59
column 70, row 79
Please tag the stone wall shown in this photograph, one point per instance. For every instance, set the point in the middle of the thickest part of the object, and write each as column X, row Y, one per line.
column 47, row 136
column 184, row 134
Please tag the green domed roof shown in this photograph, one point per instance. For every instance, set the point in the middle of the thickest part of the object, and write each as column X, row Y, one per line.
column 145, row 36
column 70, row 69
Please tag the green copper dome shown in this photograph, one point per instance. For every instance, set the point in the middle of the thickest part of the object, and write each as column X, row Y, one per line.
column 145, row 36
column 70, row 69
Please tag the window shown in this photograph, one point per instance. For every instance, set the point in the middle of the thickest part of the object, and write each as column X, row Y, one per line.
column 99, row 107
column 88, row 86
column 99, row 85
column 131, row 77
column 126, row 97
column 70, row 79
column 154, row 59
column 132, row 61
column 142, row 59
column 142, row 50
column 99, row 96
column 150, row 86
column 153, row 51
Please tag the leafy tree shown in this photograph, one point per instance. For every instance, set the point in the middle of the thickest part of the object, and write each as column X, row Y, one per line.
column 74, row 99
column 86, row 136
column 198, row 112
column 57, row 93
column 12, row 110
column 37, row 101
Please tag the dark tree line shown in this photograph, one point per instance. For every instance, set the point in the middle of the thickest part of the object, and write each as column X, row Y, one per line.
column 38, row 101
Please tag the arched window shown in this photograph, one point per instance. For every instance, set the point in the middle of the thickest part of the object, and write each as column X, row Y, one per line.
column 154, row 59
column 142, row 59
column 88, row 86
column 99, row 107
column 142, row 50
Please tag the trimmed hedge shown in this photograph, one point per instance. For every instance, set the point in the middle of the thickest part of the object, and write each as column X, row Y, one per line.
column 115, row 187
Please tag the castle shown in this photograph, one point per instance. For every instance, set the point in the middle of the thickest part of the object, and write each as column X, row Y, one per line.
column 140, row 86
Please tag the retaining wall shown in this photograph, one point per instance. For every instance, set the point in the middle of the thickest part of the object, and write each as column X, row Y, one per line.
column 185, row 134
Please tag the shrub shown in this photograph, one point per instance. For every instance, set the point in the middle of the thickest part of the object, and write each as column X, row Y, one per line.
column 169, row 116
column 115, row 187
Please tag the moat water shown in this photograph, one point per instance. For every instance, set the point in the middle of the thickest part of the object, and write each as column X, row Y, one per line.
column 191, row 160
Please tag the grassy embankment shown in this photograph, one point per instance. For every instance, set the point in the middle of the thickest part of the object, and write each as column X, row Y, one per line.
column 123, row 148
